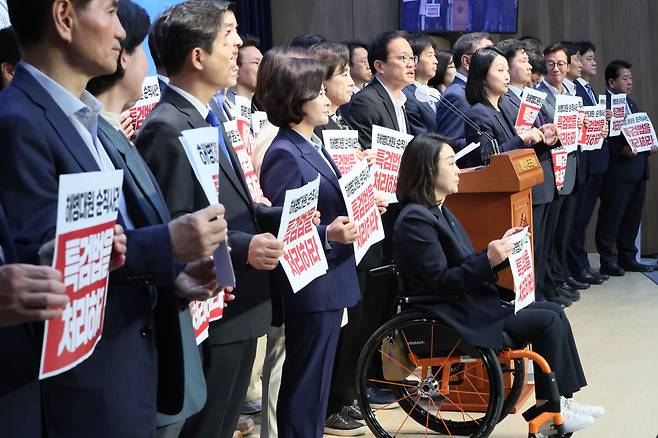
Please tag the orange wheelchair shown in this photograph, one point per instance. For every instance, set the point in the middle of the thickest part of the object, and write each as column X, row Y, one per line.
column 443, row 384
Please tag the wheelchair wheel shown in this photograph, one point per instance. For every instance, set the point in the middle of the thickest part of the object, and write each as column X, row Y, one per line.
column 516, row 371
column 444, row 384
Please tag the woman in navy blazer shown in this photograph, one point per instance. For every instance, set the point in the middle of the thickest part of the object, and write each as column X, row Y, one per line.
column 488, row 81
column 435, row 256
column 296, row 103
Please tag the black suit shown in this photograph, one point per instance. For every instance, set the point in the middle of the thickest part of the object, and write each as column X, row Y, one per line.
column 435, row 256
column 622, row 201
column 233, row 338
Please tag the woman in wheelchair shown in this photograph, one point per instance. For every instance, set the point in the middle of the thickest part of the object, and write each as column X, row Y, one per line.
column 435, row 256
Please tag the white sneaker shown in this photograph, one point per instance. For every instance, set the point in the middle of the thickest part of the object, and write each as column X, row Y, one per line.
column 571, row 422
column 569, row 404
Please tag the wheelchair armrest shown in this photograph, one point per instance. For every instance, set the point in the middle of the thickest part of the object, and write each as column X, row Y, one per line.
column 425, row 299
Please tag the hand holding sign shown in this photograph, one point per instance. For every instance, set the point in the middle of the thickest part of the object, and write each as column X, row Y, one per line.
column 264, row 252
column 531, row 136
column 520, row 261
column 119, row 242
column 196, row 235
column 498, row 251
column 342, row 230
column 550, row 133
column 127, row 126
column 197, row 280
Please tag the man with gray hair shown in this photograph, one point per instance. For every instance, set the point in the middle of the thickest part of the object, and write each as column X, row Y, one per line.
column 449, row 115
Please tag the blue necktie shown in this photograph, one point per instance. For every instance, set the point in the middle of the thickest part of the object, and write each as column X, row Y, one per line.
column 213, row 121
column 589, row 90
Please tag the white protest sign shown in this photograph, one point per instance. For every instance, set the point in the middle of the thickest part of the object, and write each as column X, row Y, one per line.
column 531, row 102
column 522, row 271
column 618, row 108
column 389, row 145
column 592, row 134
column 87, row 206
column 243, row 107
column 639, row 132
column 303, row 257
column 566, row 119
column 237, row 139
column 150, row 98
column 258, row 120
column 341, row 145
column 201, row 146
column 4, row 15
column 603, row 99
column 559, row 156
column 203, row 313
column 358, row 189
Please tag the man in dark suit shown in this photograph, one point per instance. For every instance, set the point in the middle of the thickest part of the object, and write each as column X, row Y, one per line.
column 422, row 99
column 624, row 188
column 453, row 106
column 48, row 121
column 597, row 164
column 198, row 65
column 560, row 214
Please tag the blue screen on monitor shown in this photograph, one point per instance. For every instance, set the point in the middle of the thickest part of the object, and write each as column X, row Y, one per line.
column 497, row 16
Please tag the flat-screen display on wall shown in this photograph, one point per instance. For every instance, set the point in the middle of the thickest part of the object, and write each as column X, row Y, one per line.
column 496, row 16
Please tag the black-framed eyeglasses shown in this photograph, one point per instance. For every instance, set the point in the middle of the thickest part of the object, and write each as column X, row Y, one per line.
column 406, row 58
column 551, row 65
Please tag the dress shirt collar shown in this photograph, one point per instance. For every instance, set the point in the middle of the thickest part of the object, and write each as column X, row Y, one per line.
column 516, row 90
column 570, row 86
column 554, row 90
column 461, row 76
column 582, row 82
column 397, row 102
column 200, row 106
column 113, row 119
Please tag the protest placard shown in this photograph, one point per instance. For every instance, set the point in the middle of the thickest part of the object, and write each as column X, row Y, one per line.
column 205, row 312
column 258, row 120
column 388, row 145
column 87, row 206
column 639, row 133
column 303, row 257
column 603, row 99
column 520, row 262
column 618, row 108
column 559, row 156
column 566, row 120
column 235, row 136
column 243, row 107
column 591, row 138
column 341, row 145
column 358, row 189
column 531, row 102
column 201, row 146
column 146, row 103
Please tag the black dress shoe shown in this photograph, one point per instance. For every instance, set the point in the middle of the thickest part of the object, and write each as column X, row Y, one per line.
column 570, row 294
column 566, row 286
column 612, row 270
column 637, row 267
column 584, row 276
column 577, row 284
column 595, row 274
column 563, row 301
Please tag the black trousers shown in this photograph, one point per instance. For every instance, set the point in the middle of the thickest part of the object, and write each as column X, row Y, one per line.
column 541, row 241
column 587, row 197
column 227, row 379
column 311, row 341
column 620, row 215
column 545, row 325
column 560, row 220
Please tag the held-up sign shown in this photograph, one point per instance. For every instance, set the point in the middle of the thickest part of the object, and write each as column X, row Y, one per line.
column 559, row 155
column 150, row 97
column 358, row 190
column 202, row 149
column 639, row 132
column 258, row 120
column 603, row 99
column 389, row 145
column 520, row 262
column 341, row 145
column 239, row 144
column 87, row 206
column 618, row 108
column 566, row 119
column 303, row 257
column 531, row 102
column 243, row 106
column 591, row 138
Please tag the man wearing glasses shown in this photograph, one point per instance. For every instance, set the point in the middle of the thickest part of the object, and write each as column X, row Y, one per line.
column 449, row 115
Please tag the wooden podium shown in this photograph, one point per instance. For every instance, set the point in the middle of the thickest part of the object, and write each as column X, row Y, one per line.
column 497, row 197
column 491, row 200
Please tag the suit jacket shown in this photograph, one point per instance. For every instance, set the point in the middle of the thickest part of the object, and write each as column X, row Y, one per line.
column 250, row 315
column 598, row 160
column 422, row 117
column 187, row 374
column 492, row 123
column 547, row 115
column 621, row 167
column 289, row 163
column 370, row 106
column 20, row 355
column 544, row 192
column 448, row 123
column 435, row 257
column 41, row 144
